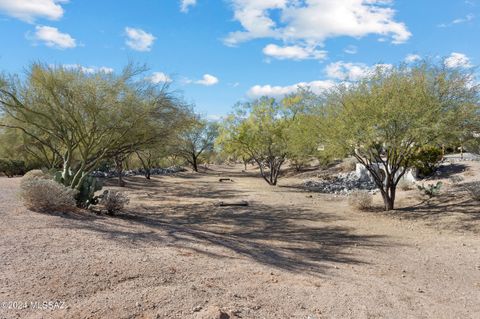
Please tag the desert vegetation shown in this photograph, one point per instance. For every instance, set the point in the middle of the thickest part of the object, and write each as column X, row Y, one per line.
column 285, row 186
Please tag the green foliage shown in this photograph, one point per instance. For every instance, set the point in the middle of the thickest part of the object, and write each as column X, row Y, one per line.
column 75, row 120
column 387, row 117
column 431, row 190
column 427, row 159
column 195, row 141
column 12, row 167
column 260, row 130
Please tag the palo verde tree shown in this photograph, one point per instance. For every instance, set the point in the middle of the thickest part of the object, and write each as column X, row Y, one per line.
column 197, row 138
column 384, row 119
column 85, row 119
column 260, row 129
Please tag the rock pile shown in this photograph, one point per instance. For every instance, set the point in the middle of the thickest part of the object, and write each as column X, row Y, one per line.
column 341, row 184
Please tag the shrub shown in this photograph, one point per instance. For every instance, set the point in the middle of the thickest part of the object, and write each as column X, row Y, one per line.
column 41, row 194
column 348, row 164
column 360, row 200
column 474, row 190
column 405, row 185
column 33, row 174
column 427, row 160
column 12, row 167
column 431, row 190
column 456, row 179
column 114, row 201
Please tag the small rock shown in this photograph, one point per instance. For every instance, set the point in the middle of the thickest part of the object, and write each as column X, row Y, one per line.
column 197, row 308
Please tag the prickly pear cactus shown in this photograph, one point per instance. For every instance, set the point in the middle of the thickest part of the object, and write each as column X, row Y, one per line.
column 86, row 196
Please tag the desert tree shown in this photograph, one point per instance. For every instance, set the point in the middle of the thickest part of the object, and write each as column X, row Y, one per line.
column 259, row 129
column 197, row 138
column 85, row 118
column 385, row 118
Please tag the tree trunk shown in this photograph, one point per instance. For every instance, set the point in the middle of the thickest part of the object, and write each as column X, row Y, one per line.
column 119, row 168
column 147, row 173
column 389, row 193
column 195, row 164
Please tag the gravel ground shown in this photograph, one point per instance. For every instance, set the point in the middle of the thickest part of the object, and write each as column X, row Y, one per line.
column 290, row 254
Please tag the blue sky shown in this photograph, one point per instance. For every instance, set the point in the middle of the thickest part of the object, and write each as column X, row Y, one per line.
column 218, row 52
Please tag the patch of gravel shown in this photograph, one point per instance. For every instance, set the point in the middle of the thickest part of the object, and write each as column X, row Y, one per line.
column 340, row 184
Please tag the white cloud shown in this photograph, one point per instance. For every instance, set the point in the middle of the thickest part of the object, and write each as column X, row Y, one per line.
column 186, row 4
column 215, row 117
column 410, row 58
column 457, row 60
column 89, row 69
column 138, row 39
column 208, row 80
column 279, row 91
column 351, row 49
column 294, row 52
column 52, row 37
column 351, row 71
column 159, row 77
column 467, row 18
column 313, row 21
column 30, row 10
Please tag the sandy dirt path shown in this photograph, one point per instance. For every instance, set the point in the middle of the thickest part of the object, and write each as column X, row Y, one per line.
column 174, row 254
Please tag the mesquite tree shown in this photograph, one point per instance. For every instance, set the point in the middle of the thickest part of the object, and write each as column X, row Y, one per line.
column 196, row 139
column 384, row 119
column 260, row 130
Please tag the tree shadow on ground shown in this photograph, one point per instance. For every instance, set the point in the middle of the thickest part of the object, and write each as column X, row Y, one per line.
column 159, row 189
column 282, row 237
column 460, row 212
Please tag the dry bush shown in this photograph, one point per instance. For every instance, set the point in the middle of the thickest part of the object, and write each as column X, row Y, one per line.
column 360, row 200
column 405, row 185
column 33, row 174
column 46, row 195
column 114, row 201
column 474, row 190
column 349, row 164
column 456, row 179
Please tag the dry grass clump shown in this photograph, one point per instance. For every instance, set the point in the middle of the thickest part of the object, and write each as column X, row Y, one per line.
column 45, row 195
column 405, row 185
column 348, row 164
column 114, row 201
column 360, row 200
column 473, row 190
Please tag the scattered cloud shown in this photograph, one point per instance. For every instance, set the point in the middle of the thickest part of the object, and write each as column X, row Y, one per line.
column 53, row 38
column 215, row 117
column 351, row 49
column 186, row 4
column 410, row 58
column 348, row 71
column 279, row 91
column 89, row 69
column 467, row 18
column 311, row 22
column 208, row 80
column 457, row 60
column 30, row 10
column 159, row 77
column 294, row 52
column 138, row 39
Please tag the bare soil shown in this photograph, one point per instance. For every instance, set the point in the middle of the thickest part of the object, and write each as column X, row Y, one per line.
column 173, row 253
